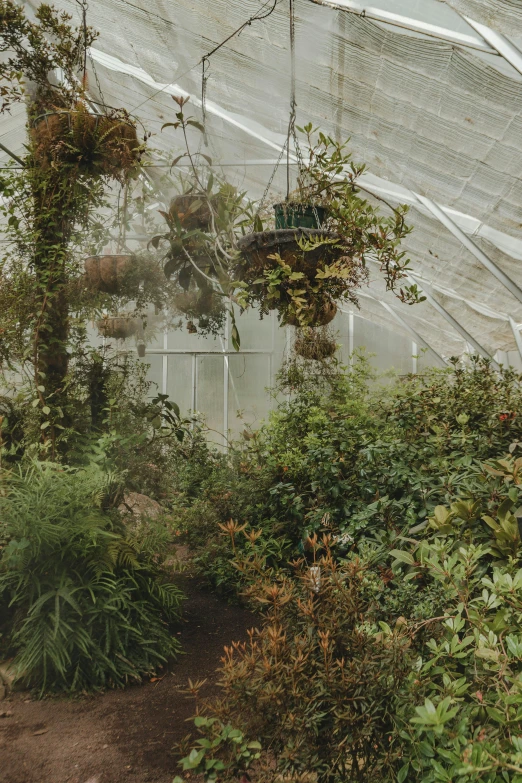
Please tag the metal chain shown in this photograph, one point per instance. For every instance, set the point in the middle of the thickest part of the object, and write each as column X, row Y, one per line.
column 86, row 53
column 98, row 85
column 269, row 184
column 291, row 124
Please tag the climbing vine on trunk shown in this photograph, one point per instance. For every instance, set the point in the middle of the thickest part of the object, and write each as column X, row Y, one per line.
column 50, row 198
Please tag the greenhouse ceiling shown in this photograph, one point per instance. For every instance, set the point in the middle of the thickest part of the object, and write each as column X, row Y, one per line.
column 429, row 92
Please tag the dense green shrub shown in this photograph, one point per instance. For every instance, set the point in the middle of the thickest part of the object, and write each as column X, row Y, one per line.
column 418, row 569
column 83, row 607
column 410, row 644
column 344, row 457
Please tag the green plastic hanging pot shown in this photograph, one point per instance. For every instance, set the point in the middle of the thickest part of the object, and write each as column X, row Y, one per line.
column 290, row 214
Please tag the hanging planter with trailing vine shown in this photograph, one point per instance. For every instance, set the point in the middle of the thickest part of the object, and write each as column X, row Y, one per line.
column 323, row 234
column 105, row 144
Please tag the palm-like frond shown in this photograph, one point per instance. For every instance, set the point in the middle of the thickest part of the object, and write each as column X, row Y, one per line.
column 88, row 607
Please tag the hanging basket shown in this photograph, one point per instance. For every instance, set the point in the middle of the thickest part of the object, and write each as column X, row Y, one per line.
column 118, row 327
column 193, row 211
column 106, row 273
column 321, row 313
column 314, row 344
column 198, row 303
column 291, row 214
column 257, row 248
column 94, row 143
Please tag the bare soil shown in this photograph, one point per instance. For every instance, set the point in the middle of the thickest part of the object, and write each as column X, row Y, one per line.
column 125, row 736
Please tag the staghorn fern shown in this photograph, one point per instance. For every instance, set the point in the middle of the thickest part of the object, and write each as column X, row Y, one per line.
column 86, row 608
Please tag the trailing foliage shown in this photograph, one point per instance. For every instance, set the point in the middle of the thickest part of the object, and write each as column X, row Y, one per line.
column 85, row 607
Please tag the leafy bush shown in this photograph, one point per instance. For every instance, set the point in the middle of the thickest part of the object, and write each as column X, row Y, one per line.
column 312, row 685
column 467, row 690
column 401, row 662
column 419, row 573
column 86, row 609
column 343, row 458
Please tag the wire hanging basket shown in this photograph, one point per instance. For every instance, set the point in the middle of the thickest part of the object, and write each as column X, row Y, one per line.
column 94, row 143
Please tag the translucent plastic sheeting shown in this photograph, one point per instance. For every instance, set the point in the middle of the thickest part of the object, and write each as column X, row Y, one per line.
column 427, row 117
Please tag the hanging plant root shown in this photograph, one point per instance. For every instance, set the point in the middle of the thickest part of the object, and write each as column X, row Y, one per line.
column 314, row 344
column 193, row 211
column 198, row 303
column 320, row 313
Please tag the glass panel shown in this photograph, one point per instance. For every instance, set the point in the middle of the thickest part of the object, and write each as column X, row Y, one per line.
column 426, row 359
column 255, row 333
column 391, row 351
column 182, row 340
column 248, row 400
column 210, row 395
column 155, row 373
column 179, row 381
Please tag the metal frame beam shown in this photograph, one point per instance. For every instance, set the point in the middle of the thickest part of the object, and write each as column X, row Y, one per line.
column 416, row 25
column 453, row 321
column 499, row 42
column 12, row 155
column 415, row 335
column 468, row 243
column 516, row 335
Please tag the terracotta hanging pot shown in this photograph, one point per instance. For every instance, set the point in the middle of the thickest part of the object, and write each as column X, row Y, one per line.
column 105, row 273
column 142, row 349
column 118, row 327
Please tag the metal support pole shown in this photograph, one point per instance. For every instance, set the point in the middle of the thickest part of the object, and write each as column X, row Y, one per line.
column 416, row 336
column 12, row 155
column 414, row 357
column 194, row 383
column 456, row 325
column 468, row 243
column 408, row 23
column 165, row 367
column 516, row 335
column 225, row 381
column 351, row 326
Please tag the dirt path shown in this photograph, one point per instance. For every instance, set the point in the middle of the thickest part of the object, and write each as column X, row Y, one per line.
column 121, row 736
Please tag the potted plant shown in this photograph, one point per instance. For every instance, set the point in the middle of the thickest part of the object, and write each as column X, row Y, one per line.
column 323, row 236
column 119, row 327
column 93, row 143
column 203, row 222
column 106, row 272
